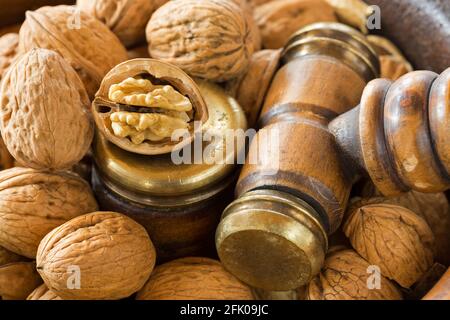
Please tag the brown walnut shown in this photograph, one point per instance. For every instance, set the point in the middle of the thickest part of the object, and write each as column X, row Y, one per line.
column 345, row 276
column 18, row 280
column 9, row 44
column 126, row 18
column 85, row 42
column 112, row 253
column 43, row 293
column 209, row 39
column 434, row 208
column 40, row 134
column 193, row 279
column 34, row 202
column 278, row 20
column 393, row 238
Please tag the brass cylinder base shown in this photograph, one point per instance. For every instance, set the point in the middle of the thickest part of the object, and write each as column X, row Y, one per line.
column 271, row 240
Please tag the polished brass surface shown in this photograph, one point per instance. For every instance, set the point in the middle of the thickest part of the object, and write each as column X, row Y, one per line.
column 145, row 178
column 335, row 40
column 271, row 240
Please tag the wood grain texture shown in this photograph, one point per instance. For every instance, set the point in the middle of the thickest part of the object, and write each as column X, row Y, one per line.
column 309, row 162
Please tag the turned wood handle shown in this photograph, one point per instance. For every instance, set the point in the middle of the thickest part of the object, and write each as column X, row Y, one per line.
column 400, row 133
column 441, row 290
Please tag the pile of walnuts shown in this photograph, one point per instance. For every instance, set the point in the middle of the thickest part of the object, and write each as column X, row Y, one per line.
column 50, row 226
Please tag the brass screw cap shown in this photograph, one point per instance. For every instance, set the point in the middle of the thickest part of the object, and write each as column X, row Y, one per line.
column 271, row 240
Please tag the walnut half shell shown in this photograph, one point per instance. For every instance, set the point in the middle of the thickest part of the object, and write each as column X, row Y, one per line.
column 142, row 102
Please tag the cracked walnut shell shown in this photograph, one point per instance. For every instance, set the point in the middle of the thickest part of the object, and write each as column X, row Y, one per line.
column 126, row 18
column 105, row 255
column 86, row 43
column 193, row 279
column 278, row 20
column 45, row 119
column 34, row 202
column 393, row 238
column 142, row 103
column 209, row 39
column 347, row 276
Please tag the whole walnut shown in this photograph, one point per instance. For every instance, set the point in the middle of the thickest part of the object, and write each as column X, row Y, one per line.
column 347, row 276
column 18, row 280
column 9, row 44
column 45, row 118
column 279, row 19
column 43, row 293
column 393, row 63
column 208, row 39
column 34, row 202
column 126, row 18
column 354, row 13
column 254, row 32
column 103, row 255
column 85, row 42
column 193, row 279
column 138, row 52
column 434, row 208
column 393, row 238
column 7, row 256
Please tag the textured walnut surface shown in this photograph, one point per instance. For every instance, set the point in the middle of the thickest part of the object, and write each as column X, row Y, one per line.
column 345, row 277
column 434, row 208
column 114, row 254
column 278, row 20
column 9, row 44
column 43, row 293
column 18, row 280
column 207, row 39
column 126, row 18
column 193, row 279
column 393, row 238
column 37, row 133
column 32, row 203
column 85, row 42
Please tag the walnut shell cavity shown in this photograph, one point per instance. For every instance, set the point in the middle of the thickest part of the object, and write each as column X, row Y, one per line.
column 112, row 253
column 392, row 237
column 43, row 293
column 345, row 276
column 9, row 44
column 33, row 202
column 126, row 18
column 158, row 72
column 278, row 20
column 193, row 279
column 18, row 280
column 39, row 134
column 85, row 42
column 208, row 39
